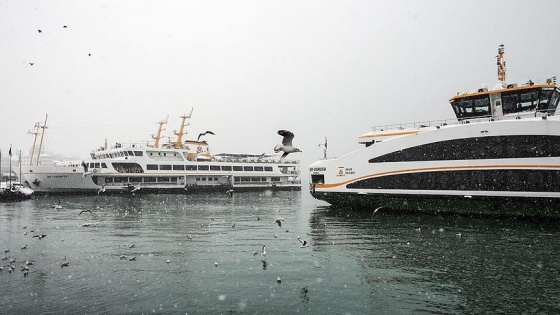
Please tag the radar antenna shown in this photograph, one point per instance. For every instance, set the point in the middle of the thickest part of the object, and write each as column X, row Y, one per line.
column 501, row 65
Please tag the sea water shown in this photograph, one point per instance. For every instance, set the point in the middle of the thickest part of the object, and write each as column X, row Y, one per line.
column 202, row 254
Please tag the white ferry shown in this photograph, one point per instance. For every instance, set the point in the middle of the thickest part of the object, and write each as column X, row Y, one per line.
column 175, row 167
column 501, row 156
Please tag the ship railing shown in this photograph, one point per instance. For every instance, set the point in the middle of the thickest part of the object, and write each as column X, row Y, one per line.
column 431, row 123
column 244, row 160
column 416, row 125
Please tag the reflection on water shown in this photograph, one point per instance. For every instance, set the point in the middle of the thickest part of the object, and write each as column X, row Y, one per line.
column 202, row 254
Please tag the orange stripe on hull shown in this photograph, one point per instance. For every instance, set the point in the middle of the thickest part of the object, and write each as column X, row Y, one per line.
column 412, row 170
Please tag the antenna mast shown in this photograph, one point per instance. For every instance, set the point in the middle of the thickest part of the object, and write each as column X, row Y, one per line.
column 35, row 133
column 160, row 129
column 501, row 65
column 181, row 130
column 44, row 127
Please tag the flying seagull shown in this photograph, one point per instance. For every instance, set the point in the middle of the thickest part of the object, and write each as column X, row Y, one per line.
column 286, row 145
column 279, row 221
column 377, row 209
column 230, row 192
column 87, row 210
column 204, row 133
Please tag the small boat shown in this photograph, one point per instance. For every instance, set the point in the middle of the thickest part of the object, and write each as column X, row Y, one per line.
column 500, row 156
column 12, row 190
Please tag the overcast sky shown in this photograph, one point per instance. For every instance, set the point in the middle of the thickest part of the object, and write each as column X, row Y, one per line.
column 249, row 68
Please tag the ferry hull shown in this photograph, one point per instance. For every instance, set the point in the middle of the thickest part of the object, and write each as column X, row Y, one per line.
column 439, row 204
column 499, row 168
column 58, row 180
column 193, row 190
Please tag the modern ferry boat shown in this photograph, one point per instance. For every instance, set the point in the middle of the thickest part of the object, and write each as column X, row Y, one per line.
column 175, row 167
column 500, row 156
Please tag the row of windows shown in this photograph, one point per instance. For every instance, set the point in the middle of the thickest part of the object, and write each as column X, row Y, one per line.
column 175, row 179
column 115, row 154
column 495, row 147
column 227, row 168
column 475, row 180
column 525, row 100
column 95, row 165
column 255, row 179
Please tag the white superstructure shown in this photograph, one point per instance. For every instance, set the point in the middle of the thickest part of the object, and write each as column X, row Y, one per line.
column 501, row 155
column 176, row 166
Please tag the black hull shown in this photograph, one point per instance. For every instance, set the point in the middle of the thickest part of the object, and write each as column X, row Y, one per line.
column 438, row 204
column 8, row 196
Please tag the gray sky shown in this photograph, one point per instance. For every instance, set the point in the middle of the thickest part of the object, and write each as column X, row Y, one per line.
column 248, row 68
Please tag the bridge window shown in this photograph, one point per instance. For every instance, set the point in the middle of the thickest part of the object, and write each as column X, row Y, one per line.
column 469, row 107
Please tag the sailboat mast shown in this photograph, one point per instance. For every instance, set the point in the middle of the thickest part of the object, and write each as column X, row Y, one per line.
column 44, row 126
column 20, row 167
column 10, row 172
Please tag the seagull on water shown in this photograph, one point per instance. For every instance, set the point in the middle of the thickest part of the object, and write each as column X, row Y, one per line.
column 263, row 252
column 286, row 145
column 58, row 206
column 302, row 242
column 279, row 221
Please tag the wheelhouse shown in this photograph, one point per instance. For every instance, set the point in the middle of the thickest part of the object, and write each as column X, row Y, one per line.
column 510, row 101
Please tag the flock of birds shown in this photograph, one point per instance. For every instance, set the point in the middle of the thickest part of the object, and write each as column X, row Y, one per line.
column 25, row 268
column 41, row 31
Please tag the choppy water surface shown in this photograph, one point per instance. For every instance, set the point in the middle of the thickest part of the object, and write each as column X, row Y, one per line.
column 356, row 263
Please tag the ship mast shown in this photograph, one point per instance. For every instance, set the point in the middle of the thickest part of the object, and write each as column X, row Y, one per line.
column 501, row 66
column 182, row 131
column 159, row 136
column 35, row 133
column 44, row 126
